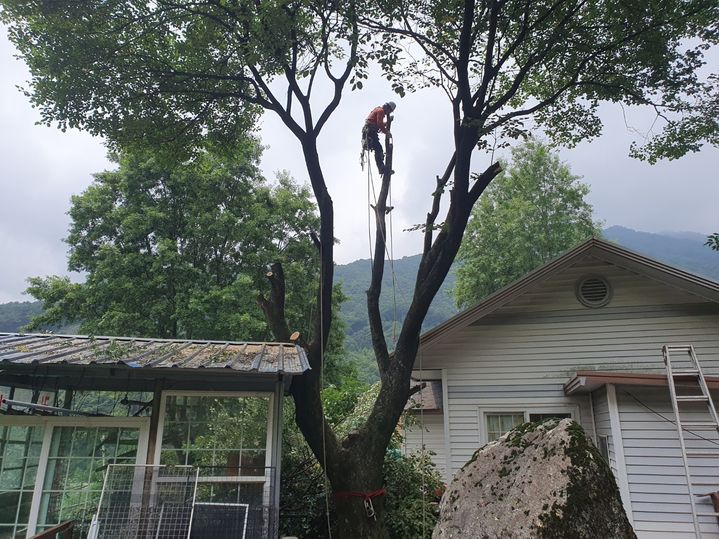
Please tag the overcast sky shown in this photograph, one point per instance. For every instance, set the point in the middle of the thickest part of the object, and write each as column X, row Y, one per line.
column 41, row 167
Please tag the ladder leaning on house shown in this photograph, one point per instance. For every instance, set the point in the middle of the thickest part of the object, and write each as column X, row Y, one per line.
column 686, row 374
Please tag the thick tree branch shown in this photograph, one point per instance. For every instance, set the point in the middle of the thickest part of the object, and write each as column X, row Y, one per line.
column 274, row 306
column 379, row 343
column 432, row 216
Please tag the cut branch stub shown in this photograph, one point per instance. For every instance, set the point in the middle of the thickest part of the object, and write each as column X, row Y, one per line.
column 274, row 307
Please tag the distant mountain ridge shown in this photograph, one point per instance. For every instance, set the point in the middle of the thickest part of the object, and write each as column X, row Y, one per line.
column 355, row 278
column 685, row 250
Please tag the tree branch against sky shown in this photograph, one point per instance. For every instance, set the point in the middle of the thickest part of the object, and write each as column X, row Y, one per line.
column 185, row 75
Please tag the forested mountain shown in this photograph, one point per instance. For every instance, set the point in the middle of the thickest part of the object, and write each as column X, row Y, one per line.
column 683, row 249
column 16, row 314
column 355, row 281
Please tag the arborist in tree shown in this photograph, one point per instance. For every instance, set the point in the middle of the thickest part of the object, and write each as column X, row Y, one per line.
column 375, row 123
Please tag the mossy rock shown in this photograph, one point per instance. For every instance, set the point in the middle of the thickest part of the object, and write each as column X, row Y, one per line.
column 542, row 480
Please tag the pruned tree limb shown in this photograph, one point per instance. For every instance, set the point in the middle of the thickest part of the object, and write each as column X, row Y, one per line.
column 274, row 307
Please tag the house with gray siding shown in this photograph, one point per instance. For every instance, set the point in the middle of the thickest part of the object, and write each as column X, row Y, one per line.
column 582, row 337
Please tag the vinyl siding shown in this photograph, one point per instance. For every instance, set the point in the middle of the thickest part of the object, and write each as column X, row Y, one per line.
column 433, row 437
column 655, row 468
column 520, row 356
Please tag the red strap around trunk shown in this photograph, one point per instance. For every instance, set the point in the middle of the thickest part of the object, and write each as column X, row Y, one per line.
column 363, row 495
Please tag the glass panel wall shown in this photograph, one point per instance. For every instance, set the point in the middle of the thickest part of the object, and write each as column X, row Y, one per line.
column 75, row 471
column 224, row 436
column 20, row 448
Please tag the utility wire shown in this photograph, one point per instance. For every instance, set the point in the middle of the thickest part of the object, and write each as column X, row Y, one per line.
column 670, row 420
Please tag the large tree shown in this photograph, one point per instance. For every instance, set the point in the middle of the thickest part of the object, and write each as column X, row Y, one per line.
column 532, row 212
column 185, row 72
column 180, row 249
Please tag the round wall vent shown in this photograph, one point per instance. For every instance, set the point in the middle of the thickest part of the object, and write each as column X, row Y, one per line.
column 593, row 291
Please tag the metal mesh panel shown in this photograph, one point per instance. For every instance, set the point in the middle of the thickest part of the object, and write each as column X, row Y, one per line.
column 146, row 501
column 165, row 502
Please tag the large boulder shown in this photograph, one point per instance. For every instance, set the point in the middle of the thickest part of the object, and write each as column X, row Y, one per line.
column 538, row 480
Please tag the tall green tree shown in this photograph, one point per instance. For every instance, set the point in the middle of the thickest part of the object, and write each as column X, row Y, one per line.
column 194, row 73
column 531, row 213
column 181, row 250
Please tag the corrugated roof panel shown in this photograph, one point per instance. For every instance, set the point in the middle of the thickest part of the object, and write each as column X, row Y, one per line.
column 152, row 353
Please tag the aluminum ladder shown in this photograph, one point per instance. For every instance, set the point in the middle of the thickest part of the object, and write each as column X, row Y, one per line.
column 687, row 374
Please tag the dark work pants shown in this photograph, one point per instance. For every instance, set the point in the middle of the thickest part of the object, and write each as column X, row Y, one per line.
column 370, row 141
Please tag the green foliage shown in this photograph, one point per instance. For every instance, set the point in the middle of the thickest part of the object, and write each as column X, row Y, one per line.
column 302, row 490
column 554, row 62
column 180, row 250
column 713, row 241
column 189, row 74
column 176, row 75
column 531, row 213
column 412, row 481
column 365, row 365
column 414, row 489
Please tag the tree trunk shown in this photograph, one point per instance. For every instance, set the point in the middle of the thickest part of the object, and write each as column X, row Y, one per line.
column 360, row 475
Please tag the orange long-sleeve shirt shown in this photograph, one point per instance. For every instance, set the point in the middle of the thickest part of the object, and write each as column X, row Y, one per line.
column 376, row 118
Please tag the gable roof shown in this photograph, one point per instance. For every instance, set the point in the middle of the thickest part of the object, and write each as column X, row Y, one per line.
column 19, row 350
column 604, row 250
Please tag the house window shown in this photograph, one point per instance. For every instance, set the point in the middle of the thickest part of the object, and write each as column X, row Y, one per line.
column 498, row 424
column 603, row 446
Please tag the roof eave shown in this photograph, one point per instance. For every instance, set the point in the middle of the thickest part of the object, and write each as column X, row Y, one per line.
column 588, row 381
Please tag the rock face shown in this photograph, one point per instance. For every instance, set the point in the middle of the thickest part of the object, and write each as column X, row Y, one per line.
column 538, row 480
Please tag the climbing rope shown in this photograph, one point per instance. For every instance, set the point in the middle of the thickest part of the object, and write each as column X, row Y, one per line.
column 422, row 454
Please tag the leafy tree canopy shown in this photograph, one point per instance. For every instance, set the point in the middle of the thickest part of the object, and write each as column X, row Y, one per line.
column 181, row 250
column 512, row 66
column 713, row 241
column 193, row 73
column 531, row 213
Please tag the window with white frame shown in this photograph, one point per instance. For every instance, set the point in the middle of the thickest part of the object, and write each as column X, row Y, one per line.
column 499, row 423
column 496, row 423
